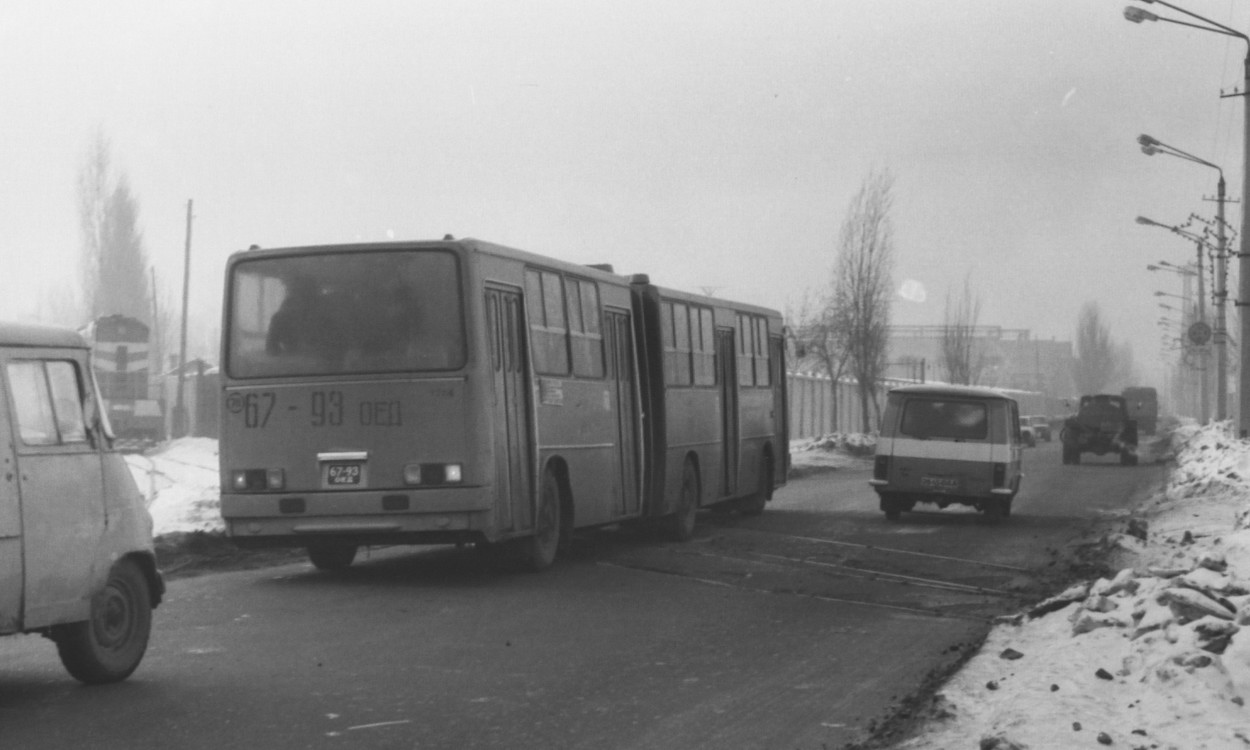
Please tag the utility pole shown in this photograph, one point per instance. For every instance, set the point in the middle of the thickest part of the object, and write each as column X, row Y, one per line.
column 1221, row 296
column 180, row 410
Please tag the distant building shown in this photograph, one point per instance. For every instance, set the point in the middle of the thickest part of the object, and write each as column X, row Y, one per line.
column 1010, row 358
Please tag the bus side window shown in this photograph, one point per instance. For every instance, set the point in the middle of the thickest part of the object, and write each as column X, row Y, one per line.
column 584, row 335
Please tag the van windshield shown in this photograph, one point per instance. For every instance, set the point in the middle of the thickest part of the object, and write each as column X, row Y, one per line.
column 945, row 418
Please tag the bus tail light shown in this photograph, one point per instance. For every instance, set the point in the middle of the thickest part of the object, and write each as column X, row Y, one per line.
column 433, row 474
column 1000, row 475
column 255, row 480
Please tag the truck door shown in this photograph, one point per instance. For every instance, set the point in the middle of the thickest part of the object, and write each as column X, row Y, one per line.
column 10, row 528
column 59, row 477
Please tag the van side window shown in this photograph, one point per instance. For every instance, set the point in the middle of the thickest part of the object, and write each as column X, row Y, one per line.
column 48, row 402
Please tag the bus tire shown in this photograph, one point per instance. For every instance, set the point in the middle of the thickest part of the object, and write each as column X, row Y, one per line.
column 538, row 550
column 680, row 524
column 331, row 556
column 109, row 646
column 754, row 505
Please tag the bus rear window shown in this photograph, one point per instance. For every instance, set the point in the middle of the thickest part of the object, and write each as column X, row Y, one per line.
column 945, row 419
column 355, row 312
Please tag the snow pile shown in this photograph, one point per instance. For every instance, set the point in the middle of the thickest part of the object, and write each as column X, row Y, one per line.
column 836, row 450
column 181, row 485
column 1156, row 657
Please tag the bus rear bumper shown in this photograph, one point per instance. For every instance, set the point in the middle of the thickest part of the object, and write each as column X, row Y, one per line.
column 366, row 518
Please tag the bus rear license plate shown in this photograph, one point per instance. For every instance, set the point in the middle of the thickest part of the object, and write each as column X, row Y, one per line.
column 343, row 473
column 942, row 484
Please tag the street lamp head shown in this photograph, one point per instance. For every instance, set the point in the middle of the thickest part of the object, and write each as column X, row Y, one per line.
column 1146, row 140
column 1144, row 220
column 1137, row 15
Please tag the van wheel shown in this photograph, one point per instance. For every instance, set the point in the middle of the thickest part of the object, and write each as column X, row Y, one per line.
column 893, row 506
column 996, row 509
column 680, row 525
column 331, row 556
column 110, row 645
column 538, row 551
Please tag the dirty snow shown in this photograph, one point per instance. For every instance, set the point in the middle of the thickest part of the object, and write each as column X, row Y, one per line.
column 181, row 485
column 1151, row 658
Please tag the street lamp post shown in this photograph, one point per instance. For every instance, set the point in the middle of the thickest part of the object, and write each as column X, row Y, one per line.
column 1150, row 147
column 1137, row 15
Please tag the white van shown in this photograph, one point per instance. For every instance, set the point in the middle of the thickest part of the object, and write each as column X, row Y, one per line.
column 948, row 444
column 76, row 557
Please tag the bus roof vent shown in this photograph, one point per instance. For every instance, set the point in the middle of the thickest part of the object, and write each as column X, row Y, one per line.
column 448, row 237
column 602, row 267
column 640, row 278
column 254, row 247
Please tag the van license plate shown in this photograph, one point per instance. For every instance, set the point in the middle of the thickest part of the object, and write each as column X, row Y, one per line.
column 347, row 473
column 943, row 484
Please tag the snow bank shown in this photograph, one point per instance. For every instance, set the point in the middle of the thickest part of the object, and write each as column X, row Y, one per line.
column 180, row 482
column 1157, row 657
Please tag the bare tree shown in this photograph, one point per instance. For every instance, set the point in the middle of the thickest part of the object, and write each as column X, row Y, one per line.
column 862, row 287
column 962, row 356
column 1095, row 365
column 114, row 264
column 818, row 334
column 93, row 195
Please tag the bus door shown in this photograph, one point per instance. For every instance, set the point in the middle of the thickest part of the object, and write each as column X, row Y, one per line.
column 624, row 402
column 513, row 446
column 727, row 362
column 781, row 412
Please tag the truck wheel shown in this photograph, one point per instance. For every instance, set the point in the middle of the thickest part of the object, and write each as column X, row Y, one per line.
column 1128, row 458
column 331, row 556
column 110, row 645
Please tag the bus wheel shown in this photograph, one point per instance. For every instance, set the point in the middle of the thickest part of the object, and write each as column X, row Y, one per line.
column 330, row 556
column 754, row 505
column 680, row 525
column 110, row 645
column 538, row 551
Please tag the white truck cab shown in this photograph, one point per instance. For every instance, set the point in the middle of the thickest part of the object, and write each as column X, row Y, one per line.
column 76, row 557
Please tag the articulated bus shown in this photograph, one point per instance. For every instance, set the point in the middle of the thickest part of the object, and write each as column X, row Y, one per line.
column 458, row 391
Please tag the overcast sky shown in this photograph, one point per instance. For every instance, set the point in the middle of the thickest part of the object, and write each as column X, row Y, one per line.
column 709, row 144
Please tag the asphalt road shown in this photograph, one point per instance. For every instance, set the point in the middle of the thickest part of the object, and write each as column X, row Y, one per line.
column 805, row 627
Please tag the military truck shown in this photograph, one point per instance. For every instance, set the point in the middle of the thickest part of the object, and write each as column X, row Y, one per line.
column 1101, row 425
